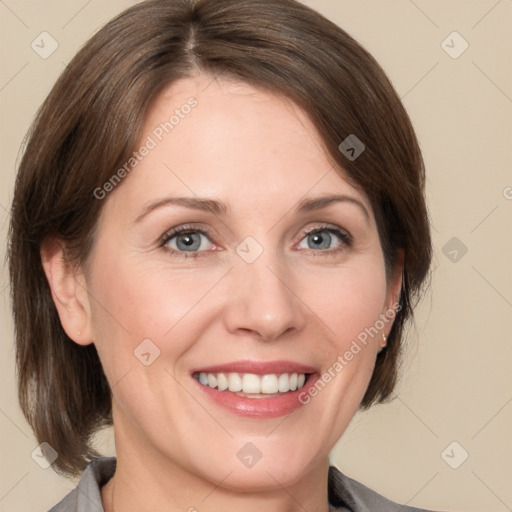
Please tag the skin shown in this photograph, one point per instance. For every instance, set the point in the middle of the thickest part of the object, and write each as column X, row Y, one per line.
column 259, row 154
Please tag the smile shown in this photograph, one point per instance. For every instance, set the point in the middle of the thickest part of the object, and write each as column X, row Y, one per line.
column 256, row 389
column 251, row 385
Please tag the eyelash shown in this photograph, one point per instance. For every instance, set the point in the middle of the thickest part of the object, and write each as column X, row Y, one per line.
column 345, row 238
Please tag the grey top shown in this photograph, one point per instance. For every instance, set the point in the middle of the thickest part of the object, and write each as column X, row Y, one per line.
column 345, row 494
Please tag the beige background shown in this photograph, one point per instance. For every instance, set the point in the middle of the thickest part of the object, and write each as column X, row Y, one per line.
column 457, row 385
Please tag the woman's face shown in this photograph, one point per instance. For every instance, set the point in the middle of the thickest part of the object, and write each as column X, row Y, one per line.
column 244, row 295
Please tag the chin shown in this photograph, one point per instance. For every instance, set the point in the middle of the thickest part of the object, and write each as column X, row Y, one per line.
column 256, row 464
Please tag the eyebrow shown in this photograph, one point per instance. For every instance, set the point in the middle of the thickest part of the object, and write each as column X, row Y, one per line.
column 194, row 203
column 220, row 208
column 310, row 205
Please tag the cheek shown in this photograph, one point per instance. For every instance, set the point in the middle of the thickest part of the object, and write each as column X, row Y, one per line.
column 349, row 301
column 134, row 301
column 351, row 311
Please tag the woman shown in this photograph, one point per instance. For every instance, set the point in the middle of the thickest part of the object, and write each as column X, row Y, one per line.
column 218, row 234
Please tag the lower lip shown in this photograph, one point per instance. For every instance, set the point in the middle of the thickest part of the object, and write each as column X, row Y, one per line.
column 273, row 407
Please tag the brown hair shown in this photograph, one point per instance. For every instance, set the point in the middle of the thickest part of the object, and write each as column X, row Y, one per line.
column 90, row 123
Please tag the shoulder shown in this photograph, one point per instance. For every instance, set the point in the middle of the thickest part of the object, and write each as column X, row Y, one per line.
column 86, row 497
column 349, row 495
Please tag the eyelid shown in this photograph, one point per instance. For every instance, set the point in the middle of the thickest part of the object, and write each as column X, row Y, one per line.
column 205, row 230
column 330, row 228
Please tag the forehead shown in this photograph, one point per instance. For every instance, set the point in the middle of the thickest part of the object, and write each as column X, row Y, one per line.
column 229, row 140
column 231, row 119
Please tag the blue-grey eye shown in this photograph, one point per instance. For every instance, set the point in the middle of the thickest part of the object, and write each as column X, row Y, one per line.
column 188, row 242
column 324, row 238
column 320, row 240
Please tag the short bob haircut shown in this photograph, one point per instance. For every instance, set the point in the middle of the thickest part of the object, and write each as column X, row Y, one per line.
column 90, row 124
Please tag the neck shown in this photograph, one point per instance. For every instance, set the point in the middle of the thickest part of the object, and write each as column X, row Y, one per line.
column 145, row 480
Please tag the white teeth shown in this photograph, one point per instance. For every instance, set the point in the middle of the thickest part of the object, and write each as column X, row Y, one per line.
column 234, row 382
column 269, row 384
column 212, row 380
column 253, row 384
column 293, row 382
column 222, row 382
column 284, row 383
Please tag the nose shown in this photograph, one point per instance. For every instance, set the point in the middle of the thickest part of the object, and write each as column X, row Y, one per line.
column 262, row 300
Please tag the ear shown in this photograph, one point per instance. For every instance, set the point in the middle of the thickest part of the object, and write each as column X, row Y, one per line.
column 394, row 287
column 69, row 292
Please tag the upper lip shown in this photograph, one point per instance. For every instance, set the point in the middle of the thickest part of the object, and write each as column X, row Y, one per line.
column 257, row 367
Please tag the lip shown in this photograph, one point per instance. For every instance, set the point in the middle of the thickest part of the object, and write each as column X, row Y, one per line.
column 258, row 367
column 258, row 408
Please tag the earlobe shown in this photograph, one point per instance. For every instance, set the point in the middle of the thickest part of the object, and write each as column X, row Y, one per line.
column 69, row 292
